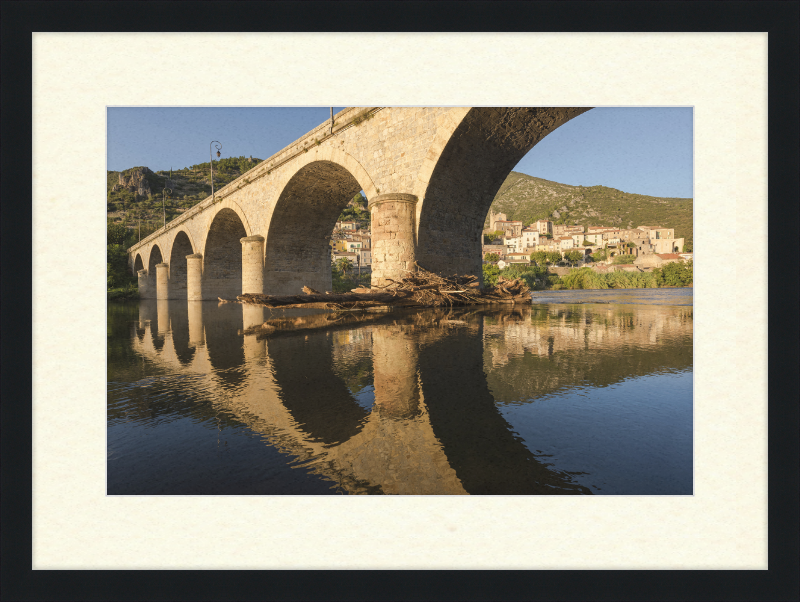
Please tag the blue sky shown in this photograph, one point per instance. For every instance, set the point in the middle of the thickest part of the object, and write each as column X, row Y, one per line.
column 640, row 150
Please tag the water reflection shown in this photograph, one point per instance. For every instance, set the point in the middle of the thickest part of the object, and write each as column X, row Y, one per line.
column 401, row 403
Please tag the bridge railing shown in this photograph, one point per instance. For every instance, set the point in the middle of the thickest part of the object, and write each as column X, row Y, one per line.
column 343, row 120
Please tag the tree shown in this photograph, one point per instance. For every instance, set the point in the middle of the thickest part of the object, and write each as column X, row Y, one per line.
column 115, row 233
column 117, row 274
column 539, row 258
column 573, row 256
column 631, row 245
column 343, row 265
column 624, row 259
column 490, row 236
column 490, row 274
column 600, row 255
column 553, row 257
column 491, row 257
column 587, row 243
column 674, row 274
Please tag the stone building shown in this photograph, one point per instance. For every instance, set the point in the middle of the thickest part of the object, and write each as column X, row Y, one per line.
column 544, row 226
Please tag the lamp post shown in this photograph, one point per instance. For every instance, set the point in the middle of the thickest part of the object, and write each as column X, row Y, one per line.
column 211, row 154
column 164, row 204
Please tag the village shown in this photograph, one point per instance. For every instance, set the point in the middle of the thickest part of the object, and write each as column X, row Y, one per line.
column 506, row 242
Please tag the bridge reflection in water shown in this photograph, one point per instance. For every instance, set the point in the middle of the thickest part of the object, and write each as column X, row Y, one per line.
column 400, row 403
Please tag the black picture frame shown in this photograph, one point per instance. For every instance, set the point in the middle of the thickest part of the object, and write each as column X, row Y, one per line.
column 19, row 19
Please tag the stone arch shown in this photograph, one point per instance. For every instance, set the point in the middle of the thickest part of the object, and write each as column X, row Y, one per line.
column 138, row 264
column 331, row 155
column 463, row 173
column 297, row 247
column 181, row 246
column 222, row 255
column 233, row 206
column 154, row 257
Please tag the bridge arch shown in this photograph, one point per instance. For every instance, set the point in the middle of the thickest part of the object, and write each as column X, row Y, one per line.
column 154, row 257
column 138, row 264
column 314, row 195
column 222, row 254
column 464, row 171
column 181, row 246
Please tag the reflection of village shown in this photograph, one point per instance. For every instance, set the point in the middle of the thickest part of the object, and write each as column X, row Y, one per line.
column 398, row 404
column 554, row 329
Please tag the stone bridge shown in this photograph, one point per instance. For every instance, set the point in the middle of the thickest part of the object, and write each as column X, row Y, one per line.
column 429, row 174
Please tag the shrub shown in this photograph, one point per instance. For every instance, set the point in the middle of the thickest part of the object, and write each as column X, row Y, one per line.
column 490, row 274
column 528, row 273
column 115, row 234
column 674, row 274
column 117, row 274
column 624, row 259
column 584, row 278
column 554, row 281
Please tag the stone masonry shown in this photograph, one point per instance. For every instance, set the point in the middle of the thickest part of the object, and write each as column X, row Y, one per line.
column 429, row 174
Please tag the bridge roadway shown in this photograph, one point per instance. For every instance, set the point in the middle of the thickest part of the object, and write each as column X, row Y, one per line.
column 429, row 174
column 433, row 428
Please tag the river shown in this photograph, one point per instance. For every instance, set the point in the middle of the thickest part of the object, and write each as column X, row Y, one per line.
column 582, row 392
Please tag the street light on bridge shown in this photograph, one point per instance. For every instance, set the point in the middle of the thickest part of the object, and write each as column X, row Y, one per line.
column 164, row 204
column 211, row 154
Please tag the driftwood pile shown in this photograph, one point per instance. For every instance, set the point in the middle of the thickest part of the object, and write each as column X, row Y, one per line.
column 417, row 289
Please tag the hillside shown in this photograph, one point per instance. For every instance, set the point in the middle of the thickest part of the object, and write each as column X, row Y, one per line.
column 525, row 198
column 136, row 193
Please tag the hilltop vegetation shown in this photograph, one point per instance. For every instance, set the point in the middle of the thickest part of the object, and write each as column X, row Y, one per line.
column 141, row 198
column 527, row 199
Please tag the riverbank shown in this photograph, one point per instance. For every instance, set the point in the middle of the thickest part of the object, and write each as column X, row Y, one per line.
column 122, row 294
column 549, row 278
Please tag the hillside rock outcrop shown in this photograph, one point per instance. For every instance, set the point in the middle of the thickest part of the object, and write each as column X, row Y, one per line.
column 135, row 181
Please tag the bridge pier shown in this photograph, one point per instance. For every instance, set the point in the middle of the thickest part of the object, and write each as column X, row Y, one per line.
column 252, row 264
column 194, row 277
column 395, row 367
column 253, row 315
column 393, row 217
column 162, row 281
column 196, row 333
column 144, row 285
column 162, row 315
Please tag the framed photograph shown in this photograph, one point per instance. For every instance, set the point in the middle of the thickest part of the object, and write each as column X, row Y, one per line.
column 78, row 515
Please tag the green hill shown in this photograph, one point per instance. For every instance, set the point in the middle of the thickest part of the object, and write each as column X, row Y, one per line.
column 136, row 193
column 527, row 199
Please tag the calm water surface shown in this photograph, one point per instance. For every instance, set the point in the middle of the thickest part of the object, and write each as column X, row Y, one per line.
column 584, row 392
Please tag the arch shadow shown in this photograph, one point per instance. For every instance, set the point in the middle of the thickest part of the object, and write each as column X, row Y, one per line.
column 476, row 159
column 222, row 256
column 479, row 444
column 297, row 250
column 181, row 247
column 318, row 399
